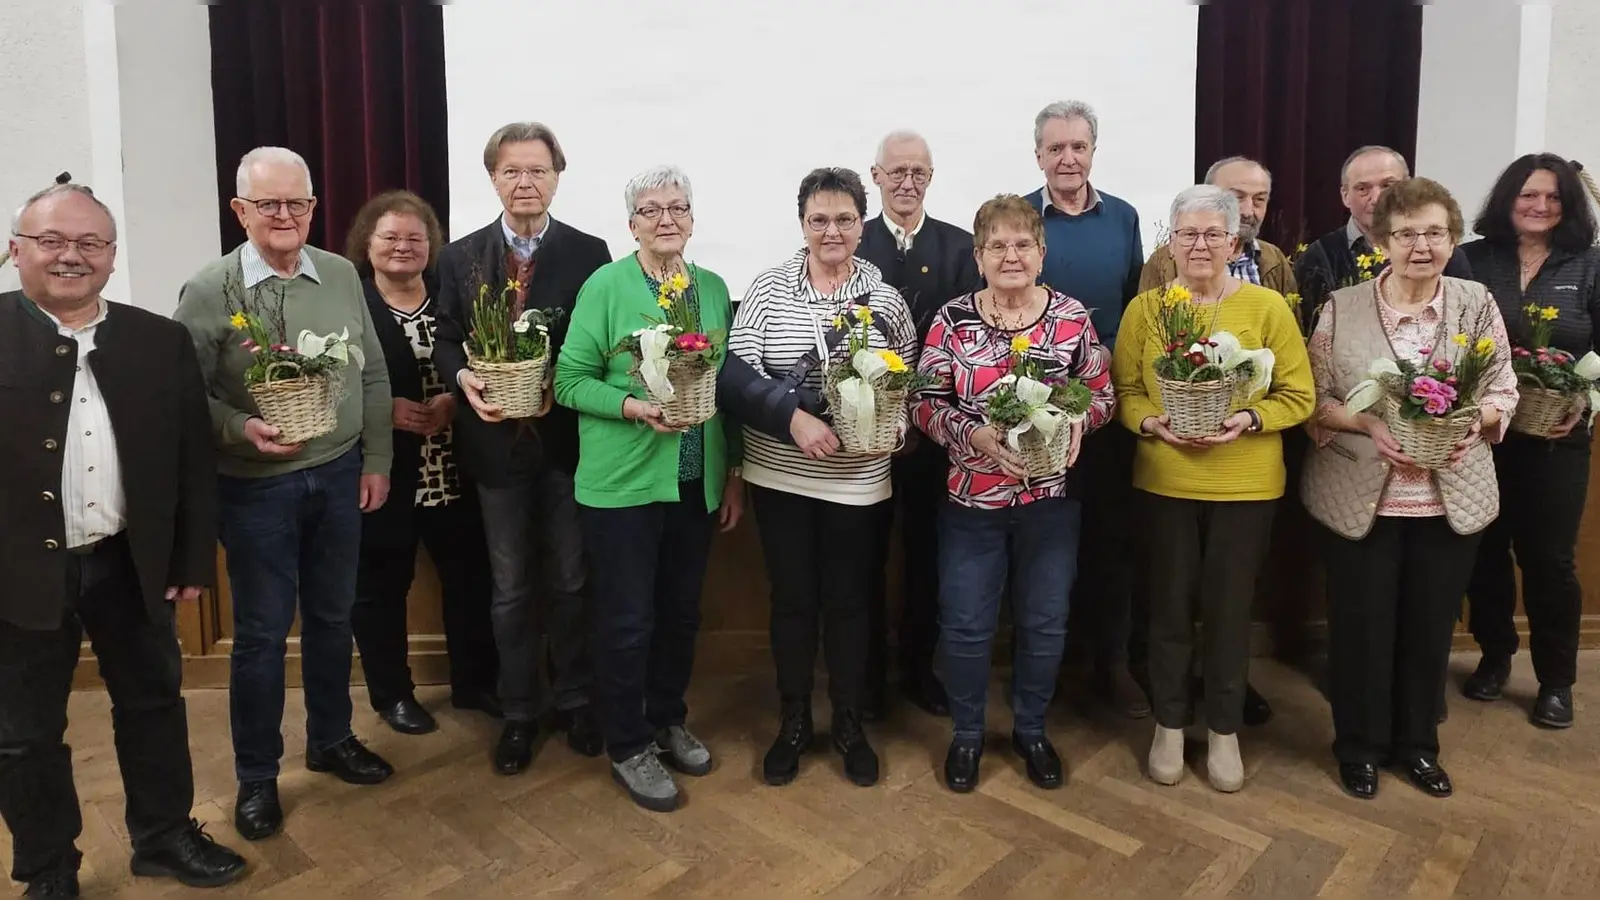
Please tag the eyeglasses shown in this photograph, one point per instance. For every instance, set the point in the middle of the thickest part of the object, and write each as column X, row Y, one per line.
column 1407, row 237
column 395, row 240
column 819, row 223
column 676, row 210
column 919, row 177
column 1214, row 237
column 270, row 208
column 55, row 243
column 1001, row 249
column 514, row 175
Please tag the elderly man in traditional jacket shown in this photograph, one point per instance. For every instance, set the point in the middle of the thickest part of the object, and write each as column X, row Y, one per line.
column 108, row 496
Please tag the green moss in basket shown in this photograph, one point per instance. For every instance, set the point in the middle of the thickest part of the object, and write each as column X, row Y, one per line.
column 498, row 337
column 1068, row 395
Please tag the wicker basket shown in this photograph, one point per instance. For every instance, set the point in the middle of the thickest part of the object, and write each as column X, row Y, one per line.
column 1047, row 458
column 1428, row 440
column 1540, row 410
column 516, row 387
column 300, row 408
column 888, row 427
column 1196, row 408
column 694, row 394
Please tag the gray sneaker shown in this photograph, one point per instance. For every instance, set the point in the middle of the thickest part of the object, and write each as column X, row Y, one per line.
column 647, row 781
column 683, row 751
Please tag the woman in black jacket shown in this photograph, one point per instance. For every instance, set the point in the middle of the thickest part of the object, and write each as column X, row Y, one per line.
column 1538, row 249
column 392, row 242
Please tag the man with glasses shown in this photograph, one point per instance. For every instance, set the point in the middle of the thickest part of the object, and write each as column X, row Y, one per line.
column 523, row 468
column 1258, row 261
column 930, row 263
column 290, row 513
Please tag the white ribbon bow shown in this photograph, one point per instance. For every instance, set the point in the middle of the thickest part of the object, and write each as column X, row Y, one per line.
column 1230, row 355
column 333, row 346
column 1370, row 391
column 1042, row 414
column 1588, row 369
column 857, row 395
column 653, row 343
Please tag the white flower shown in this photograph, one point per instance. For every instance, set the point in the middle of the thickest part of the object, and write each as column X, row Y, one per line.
column 520, row 326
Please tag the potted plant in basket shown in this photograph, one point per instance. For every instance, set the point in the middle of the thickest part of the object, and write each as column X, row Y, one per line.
column 867, row 391
column 510, row 354
column 1552, row 384
column 674, row 358
column 1036, row 410
column 1199, row 372
column 1432, row 404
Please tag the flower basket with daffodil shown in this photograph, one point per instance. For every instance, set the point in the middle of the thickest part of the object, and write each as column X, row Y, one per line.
column 867, row 389
column 510, row 353
column 1035, row 410
column 1429, row 404
column 1550, row 382
column 1200, row 373
column 675, row 359
column 297, row 388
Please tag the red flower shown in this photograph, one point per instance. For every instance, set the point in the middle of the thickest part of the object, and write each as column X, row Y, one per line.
column 693, row 342
column 283, row 348
column 1172, row 347
column 1520, row 353
column 1441, row 365
column 250, row 345
column 1451, row 380
column 1197, row 358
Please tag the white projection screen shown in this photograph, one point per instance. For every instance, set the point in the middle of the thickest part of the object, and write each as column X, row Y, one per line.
column 748, row 96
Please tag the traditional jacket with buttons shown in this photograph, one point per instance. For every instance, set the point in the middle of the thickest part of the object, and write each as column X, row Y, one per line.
column 145, row 366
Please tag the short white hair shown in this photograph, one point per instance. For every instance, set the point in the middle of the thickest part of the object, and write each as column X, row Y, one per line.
column 656, row 178
column 1396, row 155
column 1207, row 198
column 1066, row 109
column 269, row 156
column 1219, row 165
column 56, row 190
column 898, row 136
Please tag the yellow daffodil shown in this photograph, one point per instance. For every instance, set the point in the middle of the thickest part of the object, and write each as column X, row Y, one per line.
column 1484, row 346
column 1020, row 344
column 1178, row 294
column 679, row 283
column 1300, row 248
column 838, row 321
column 513, row 285
column 864, row 315
column 237, row 320
column 1364, row 261
column 664, row 302
column 1549, row 313
column 1531, row 309
column 1378, row 256
column 1292, row 299
column 1460, row 340
column 892, row 360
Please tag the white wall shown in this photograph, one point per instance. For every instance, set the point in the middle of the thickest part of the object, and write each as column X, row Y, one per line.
column 1573, row 112
column 749, row 97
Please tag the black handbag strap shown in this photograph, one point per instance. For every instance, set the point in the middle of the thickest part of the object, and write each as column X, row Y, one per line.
column 834, row 336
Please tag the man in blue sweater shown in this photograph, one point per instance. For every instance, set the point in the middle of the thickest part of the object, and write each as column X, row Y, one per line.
column 1093, row 253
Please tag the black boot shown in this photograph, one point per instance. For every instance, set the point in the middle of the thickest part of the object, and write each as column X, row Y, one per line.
column 1553, row 708
column 850, row 740
column 795, row 735
column 1488, row 681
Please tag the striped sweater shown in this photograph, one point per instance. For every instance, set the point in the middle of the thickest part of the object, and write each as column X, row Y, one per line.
column 781, row 317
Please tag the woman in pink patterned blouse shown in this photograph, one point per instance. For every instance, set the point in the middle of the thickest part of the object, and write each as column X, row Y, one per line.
column 991, row 504
column 1400, row 540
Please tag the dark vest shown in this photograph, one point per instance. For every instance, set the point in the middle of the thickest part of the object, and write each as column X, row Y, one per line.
column 938, row 268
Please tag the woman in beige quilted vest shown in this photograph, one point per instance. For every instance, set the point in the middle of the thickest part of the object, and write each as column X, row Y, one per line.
column 1400, row 540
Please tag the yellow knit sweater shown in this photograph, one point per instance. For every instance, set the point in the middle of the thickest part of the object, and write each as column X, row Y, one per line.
column 1250, row 468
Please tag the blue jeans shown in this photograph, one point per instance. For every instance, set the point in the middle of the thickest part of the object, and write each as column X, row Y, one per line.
column 287, row 537
column 973, row 565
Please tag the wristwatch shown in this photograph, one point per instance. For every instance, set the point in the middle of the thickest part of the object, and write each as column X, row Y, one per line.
column 1255, row 421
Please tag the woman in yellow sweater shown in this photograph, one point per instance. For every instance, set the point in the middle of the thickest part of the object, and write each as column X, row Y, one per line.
column 1207, row 503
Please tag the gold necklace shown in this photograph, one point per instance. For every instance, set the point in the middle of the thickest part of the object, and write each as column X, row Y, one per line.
column 1001, row 322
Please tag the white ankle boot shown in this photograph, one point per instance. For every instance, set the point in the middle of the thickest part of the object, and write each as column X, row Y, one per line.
column 1223, row 765
column 1166, row 755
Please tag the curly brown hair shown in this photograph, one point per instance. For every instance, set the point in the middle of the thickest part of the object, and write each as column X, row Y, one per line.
column 1411, row 196
column 1007, row 209
column 366, row 222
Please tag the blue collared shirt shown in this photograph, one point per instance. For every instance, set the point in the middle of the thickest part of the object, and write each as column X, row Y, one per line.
column 255, row 270
column 1093, row 257
column 523, row 247
column 1247, row 265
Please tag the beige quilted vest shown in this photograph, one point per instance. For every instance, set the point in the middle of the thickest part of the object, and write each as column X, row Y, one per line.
column 1344, row 480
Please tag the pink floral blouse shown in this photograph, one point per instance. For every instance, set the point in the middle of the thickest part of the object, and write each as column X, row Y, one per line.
column 1412, row 492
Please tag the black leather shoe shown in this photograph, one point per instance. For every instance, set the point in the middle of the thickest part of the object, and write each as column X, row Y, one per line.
column 583, row 730
column 1426, row 776
column 1257, row 711
column 796, row 732
column 1488, row 681
column 192, row 857
column 1359, row 780
column 351, row 761
column 408, row 717
column 480, row 701
column 1553, row 709
column 256, row 813
column 514, row 753
column 961, row 767
column 62, row 885
column 860, row 760
column 1044, row 766
column 930, row 697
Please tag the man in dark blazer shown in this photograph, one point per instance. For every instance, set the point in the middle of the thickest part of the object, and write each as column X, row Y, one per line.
column 523, row 468
column 108, row 497
column 930, row 262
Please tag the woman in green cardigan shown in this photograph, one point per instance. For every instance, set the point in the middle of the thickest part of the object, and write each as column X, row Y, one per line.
column 649, row 496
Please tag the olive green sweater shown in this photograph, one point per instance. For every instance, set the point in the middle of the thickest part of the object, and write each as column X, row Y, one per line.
column 329, row 304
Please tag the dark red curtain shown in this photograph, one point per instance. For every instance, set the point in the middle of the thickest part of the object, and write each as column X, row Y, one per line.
column 1298, row 84
column 358, row 89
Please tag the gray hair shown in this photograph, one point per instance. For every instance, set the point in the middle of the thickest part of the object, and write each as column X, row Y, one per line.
column 1211, row 173
column 654, row 179
column 903, row 134
column 522, row 133
column 1207, row 198
column 1066, row 109
column 56, row 190
column 1344, row 170
column 269, row 156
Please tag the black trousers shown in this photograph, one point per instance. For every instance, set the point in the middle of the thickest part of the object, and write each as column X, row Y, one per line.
column 143, row 672
column 1202, row 558
column 1393, row 599
column 1109, row 624
column 1543, row 485
column 822, row 560
column 453, row 535
column 646, row 603
column 920, row 488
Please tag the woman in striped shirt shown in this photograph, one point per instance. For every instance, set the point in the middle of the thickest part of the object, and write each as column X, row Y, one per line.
column 819, row 510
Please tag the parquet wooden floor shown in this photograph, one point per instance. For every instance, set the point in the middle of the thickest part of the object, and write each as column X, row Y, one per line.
column 1525, row 821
